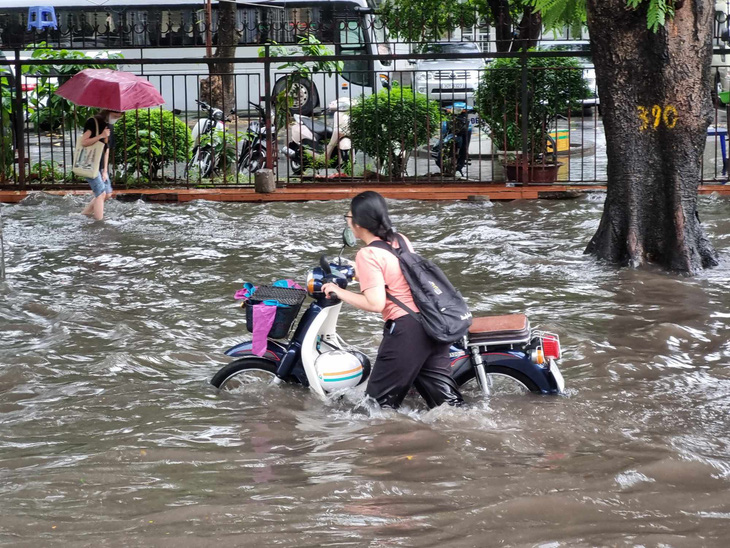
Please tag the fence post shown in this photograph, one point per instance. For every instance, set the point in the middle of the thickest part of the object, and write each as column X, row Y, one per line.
column 267, row 106
column 19, row 122
column 524, row 111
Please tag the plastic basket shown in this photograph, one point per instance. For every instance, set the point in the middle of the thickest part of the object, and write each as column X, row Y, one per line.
column 724, row 97
column 285, row 315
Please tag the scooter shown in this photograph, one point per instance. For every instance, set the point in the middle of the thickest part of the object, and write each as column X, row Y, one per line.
column 501, row 352
column 309, row 137
column 253, row 151
column 452, row 150
column 208, row 135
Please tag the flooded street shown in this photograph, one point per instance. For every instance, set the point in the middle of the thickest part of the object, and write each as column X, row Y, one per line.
column 111, row 435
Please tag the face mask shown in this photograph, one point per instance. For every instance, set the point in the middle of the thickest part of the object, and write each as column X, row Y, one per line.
column 113, row 121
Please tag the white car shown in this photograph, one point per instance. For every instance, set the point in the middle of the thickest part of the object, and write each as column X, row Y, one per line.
column 448, row 80
column 589, row 71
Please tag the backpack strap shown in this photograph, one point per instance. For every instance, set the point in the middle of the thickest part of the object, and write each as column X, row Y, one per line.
column 381, row 244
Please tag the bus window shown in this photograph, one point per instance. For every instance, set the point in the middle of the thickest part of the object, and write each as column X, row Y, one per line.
column 352, row 43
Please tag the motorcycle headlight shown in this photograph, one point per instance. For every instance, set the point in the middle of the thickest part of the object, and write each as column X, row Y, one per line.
column 314, row 281
column 217, row 115
column 253, row 127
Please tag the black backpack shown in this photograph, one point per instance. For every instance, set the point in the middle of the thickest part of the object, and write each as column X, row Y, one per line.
column 443, row 312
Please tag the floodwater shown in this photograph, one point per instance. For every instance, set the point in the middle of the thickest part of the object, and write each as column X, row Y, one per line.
column 110, row 434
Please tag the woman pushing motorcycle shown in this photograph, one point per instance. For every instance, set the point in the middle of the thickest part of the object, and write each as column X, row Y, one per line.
column 407, row 355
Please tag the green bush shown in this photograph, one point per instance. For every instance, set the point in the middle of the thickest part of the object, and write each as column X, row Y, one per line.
column 147, row 140
column 390, row 125
column 554, row 85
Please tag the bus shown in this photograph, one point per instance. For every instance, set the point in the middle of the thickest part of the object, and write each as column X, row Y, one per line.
column 164, row 30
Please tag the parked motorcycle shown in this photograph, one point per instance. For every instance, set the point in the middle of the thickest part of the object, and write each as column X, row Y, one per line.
column 502, row 352
column 208, row 145
column 253, row 152
column 310, row 138
column 452, row 150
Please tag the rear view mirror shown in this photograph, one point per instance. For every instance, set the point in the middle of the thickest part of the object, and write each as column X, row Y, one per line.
column 348, row 237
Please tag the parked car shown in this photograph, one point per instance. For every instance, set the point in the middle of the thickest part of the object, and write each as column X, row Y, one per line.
column 448, row 80
column 589, row 71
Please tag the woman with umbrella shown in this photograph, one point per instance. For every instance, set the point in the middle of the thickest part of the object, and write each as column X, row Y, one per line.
column 99, row 128
column 114, row 92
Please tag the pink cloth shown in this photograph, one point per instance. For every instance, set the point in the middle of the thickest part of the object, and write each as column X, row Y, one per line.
column 263, row 319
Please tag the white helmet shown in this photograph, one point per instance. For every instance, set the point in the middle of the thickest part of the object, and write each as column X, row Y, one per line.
column 338, row 369
column 342, row 104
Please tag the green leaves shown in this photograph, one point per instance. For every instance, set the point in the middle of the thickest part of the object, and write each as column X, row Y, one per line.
column 554, row 85
column 427, row 20
column 560, row 13
column 146, row 140
column 309, row 46
column 389, row 125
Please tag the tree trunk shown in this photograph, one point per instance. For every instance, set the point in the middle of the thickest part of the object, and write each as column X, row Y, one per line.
column 502, row 23
column 529, row 30
column 218, row 89
column 655, row 98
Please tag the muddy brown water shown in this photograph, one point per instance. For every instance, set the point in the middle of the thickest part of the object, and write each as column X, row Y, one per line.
column 110, row 434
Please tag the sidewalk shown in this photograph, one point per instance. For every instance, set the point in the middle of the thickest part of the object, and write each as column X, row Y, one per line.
column 343, row 191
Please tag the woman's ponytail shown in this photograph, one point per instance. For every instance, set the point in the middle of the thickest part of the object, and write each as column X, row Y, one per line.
column 370, row 211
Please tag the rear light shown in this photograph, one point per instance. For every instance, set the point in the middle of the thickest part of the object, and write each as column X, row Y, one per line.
column 551, row 345
column 27, row 87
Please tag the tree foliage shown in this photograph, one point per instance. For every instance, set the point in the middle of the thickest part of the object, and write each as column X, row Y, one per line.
column 559, row 13
column 421, row 21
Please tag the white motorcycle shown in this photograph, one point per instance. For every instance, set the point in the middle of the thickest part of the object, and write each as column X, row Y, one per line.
column 502, row 353
column 208, row 135
column 311, row 140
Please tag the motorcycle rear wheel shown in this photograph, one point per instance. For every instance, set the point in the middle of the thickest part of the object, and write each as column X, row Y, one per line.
column 502, row 381
column 244, row 372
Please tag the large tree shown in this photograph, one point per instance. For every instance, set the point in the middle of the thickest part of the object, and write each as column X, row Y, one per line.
column 219, row 88
column 652, row 61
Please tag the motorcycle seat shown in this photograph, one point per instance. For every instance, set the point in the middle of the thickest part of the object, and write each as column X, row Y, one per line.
column 512, row 328
column 318, row 128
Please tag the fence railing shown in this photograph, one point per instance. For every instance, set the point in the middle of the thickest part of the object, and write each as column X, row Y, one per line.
column 408, row 131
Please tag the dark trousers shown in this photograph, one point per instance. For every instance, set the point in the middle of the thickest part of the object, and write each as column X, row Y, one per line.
column 409, row 357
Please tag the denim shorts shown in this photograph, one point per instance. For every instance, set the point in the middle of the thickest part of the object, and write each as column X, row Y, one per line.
column 98, row 186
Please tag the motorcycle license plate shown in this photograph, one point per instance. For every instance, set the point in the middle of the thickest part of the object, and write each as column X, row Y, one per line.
column 558, row 375
column 453, row 85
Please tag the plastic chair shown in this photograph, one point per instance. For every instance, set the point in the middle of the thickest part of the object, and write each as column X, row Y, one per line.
column 41, row 17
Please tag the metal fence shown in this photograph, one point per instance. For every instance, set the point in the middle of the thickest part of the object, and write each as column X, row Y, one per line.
column 400, row 139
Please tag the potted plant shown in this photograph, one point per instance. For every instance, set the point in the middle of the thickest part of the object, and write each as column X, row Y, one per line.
column 554, row 86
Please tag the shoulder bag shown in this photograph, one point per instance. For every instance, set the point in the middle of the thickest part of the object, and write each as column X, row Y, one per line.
column 87, row 159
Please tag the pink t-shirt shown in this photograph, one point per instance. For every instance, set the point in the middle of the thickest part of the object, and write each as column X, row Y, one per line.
column 379, row 267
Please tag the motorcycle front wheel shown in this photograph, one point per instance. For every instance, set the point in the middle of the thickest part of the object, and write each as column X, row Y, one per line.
column 501, row 381
column 244, row 372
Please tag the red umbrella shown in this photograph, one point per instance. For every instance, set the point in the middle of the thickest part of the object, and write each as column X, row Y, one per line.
column 110, row 89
